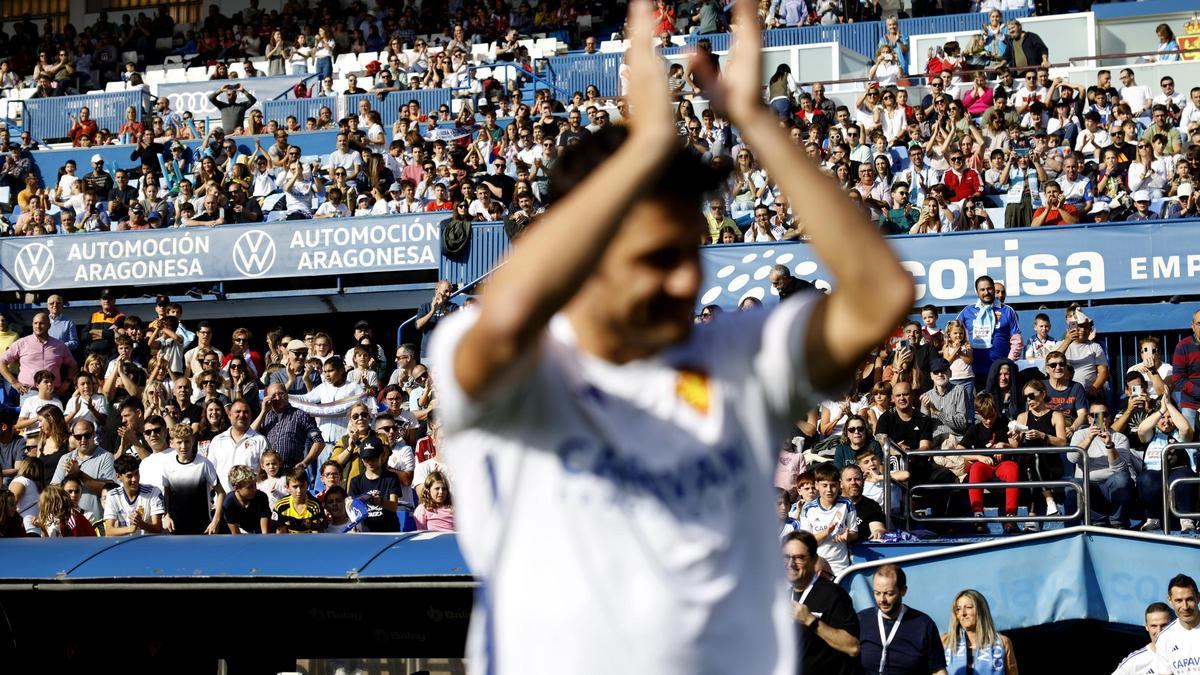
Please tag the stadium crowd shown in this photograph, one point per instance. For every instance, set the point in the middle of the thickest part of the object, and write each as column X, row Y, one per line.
column 994, row 130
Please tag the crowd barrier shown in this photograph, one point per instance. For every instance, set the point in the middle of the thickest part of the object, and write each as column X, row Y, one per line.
column 47, row 118
column 488, row 245
column 301, row 108
column 1169, row 486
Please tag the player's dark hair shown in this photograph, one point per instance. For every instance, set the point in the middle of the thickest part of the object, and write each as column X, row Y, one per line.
column 1182, row 581
column 686, row 175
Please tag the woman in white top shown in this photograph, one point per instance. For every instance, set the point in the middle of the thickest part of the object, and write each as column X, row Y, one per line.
column 750, row 185
column 890, row 117
column 323, row 52
column 886, row 69
column 298, row 57
column 26, row 487
column 1145, row 173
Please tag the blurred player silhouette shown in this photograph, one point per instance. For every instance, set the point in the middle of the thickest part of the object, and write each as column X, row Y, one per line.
column 611, row 460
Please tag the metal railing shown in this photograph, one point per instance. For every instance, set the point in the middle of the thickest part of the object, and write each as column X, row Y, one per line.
column 1168, row 485
column 1133, row 55
column 1082, row 507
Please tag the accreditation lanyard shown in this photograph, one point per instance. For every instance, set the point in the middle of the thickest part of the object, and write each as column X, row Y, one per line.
column 886, row 639
column 807, row 590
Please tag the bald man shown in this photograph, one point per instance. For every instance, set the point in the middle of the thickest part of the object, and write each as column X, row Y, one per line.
column 39, row 352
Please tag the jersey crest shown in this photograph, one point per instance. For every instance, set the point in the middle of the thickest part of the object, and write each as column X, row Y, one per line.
column 693, row 388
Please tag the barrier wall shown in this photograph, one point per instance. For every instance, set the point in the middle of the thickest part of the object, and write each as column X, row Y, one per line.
column 303, row 248
column 1052, row 264
column 488, row 245
column 47, row 118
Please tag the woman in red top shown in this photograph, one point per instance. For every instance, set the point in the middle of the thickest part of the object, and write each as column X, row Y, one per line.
column 81, row 127
column 664, row 18
column 131, row 128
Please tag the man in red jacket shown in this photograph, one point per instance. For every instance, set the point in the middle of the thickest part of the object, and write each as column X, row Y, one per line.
column 964, row 183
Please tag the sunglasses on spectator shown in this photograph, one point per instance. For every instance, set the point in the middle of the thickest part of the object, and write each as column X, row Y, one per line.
column 360, row 416
column 152, row 430
column 387, row 428
column 855, row 430
column 78, row 437
column 1057, row 364
column 1031, row 395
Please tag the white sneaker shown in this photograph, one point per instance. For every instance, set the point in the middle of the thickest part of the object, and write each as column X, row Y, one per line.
column 1151, row 524
column 1187, row 525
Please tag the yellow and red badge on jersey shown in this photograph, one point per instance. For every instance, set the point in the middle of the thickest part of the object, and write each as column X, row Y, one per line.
column 694, row 388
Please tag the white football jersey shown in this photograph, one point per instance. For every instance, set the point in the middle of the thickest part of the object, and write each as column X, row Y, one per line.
column 1180, row 648
column 118, row 506
column 627, row 509
column 841, row 518
column 1143, row 662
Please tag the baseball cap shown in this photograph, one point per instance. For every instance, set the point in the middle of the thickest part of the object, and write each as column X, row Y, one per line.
column 938, row 365
column 394, row 187
column 296, row 345
column 1099, row 207
column 1185, row 190
column 363, row 198
column 372, row 448
column 1141, row 196
column 362, row 324
column 97, row 158
column 106, row 294
column 177, row 146
column 137, row 208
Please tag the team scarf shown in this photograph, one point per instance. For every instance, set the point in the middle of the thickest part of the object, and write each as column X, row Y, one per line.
column 983, row 660
column 985, row 317
column 336, row 408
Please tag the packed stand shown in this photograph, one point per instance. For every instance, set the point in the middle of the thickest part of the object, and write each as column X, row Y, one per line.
column 125, row 426
column 1004, row 407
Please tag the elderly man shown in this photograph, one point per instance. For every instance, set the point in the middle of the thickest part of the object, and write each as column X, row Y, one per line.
column 38, row 352
column 290, row 432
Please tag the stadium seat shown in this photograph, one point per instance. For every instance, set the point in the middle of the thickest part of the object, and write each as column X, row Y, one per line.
column 196, row 74
column 346, row 64
column 176, row 75
column 367, row 57
column 119, row 85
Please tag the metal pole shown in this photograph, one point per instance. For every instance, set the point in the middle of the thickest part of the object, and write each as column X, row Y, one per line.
column 887, row 483
column 1167, row 486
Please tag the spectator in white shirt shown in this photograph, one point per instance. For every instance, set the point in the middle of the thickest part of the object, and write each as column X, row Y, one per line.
column 1138, row 96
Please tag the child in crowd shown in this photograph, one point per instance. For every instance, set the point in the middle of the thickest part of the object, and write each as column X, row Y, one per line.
column 806, row 491
column 270, row 479
column 298, row 512
column 436, row 512
column 334, row 500
column 831, row 518
column 783, row 504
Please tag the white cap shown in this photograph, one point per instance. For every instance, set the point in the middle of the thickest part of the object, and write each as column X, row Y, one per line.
column 1185, row 190
column 1099, row 207
column 97, row 158
column 1141, row 196
column 1080, row 317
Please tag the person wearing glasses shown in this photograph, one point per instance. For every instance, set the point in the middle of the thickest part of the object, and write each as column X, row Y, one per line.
column 157, row 442
column 1106, row 452
column 194, row 356
column 91, row 465
column 822, row 610
column 241, row 347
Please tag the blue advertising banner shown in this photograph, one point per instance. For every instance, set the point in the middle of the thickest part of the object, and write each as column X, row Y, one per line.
column 229, row 252
column 1074, row 573
column 1051, row 264
column 193, row 96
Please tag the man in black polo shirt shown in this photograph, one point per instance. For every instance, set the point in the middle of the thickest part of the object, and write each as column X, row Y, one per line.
column 912, row 429
column 826, row 626
column 913, row 646
column 871, row 521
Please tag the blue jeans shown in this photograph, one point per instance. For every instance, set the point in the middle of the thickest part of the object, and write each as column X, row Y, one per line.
column 1109, row 499
column 324, row 68
column 782, row 108
column 1149, row 484
column 968, row 386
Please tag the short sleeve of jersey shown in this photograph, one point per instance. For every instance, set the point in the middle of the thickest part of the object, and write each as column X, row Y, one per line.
column 458, row 410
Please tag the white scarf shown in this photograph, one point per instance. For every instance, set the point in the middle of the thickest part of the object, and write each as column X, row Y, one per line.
column 983, row 328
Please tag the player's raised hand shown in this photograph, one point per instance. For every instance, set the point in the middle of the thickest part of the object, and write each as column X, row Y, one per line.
column 651, row 126
column 737, row 92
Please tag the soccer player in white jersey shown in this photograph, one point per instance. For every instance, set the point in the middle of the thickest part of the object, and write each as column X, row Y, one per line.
column 1146, row 661
column 133, row 508
column 612, row 461
column 1179, row 643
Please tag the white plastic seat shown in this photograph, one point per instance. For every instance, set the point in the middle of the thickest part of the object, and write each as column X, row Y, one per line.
column 196, row 74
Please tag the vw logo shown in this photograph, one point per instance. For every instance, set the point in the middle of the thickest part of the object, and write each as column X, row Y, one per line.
column 34, row 266
column 254, row 253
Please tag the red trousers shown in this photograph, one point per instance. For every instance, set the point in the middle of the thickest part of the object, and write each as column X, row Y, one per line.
column 1006, row 471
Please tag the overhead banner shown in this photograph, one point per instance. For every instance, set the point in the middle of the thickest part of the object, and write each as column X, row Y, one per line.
column 1043, row 264
column 294, row 248
column 193, row 96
